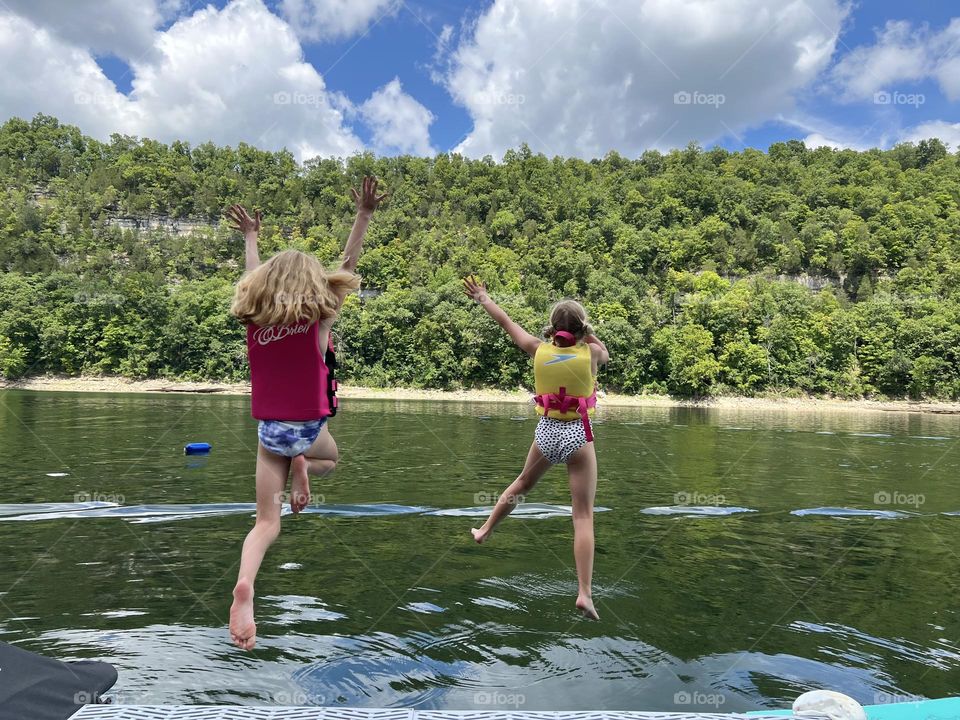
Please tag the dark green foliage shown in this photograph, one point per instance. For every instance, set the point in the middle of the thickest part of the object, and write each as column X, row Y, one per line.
column 796, row 270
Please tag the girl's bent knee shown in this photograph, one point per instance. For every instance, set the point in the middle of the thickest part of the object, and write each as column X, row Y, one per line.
column 525, row 483
column 322, row 467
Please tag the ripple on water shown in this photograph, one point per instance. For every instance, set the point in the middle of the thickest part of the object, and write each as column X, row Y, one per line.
column 380, row 670
column 424, row 608
column 781, row 677
column 495, row 602
column 843, row 512
column 860, row 648
column 531, row 585
column 115, row 613
column 12, row 509
column 26, row 512
column 697, row 510
column 531, row 511
column 295, row 609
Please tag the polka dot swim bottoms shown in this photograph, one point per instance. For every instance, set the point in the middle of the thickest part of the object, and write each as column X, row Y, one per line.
column 559, row 439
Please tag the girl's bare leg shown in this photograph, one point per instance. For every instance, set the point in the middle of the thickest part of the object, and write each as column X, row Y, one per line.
column 271, row 480
column 534, row 468
column 582, row 470
column 320, row 459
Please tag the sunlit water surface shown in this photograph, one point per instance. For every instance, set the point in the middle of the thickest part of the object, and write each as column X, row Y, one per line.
column 742, row 557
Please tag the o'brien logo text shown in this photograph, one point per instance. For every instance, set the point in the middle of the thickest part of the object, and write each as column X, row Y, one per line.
column 267, row 335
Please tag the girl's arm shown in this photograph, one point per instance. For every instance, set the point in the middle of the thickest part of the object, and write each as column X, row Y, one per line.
column 323, row 333
column 603, row 356
column 366, row 202
column 240, row 220
column 477, row 291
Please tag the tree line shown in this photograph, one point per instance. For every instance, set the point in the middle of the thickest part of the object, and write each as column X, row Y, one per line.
column 691, row 263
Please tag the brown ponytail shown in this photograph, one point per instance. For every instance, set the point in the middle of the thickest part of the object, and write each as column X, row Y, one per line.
column 570, row 316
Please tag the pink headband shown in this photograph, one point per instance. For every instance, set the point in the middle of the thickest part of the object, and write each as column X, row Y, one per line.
column 567, row 338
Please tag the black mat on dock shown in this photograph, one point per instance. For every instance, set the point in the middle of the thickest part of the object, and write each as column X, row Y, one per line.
column 41, row 688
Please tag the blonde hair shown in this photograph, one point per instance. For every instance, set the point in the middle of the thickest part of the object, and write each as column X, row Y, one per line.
column 291, row 287
column 571, row 316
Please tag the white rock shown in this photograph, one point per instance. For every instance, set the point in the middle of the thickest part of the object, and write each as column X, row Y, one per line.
column 834, row 705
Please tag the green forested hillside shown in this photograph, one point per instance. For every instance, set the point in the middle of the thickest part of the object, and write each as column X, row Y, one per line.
column 696, row 265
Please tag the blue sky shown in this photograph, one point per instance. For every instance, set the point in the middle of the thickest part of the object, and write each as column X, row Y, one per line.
column 480, row 76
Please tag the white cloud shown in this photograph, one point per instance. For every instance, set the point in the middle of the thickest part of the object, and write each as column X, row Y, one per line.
column 902, row 54
column 118, row 27
column 228, row 76
column 825, row 134
column 43, row 73
column 815, row 140
column 821, row 132
column 897, row 57
column 238, row 74
column 399, row 123
column 946, row 131
column 581, row 78
column 332, row 19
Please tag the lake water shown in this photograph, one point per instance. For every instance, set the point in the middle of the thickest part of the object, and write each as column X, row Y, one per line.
column 743, row 557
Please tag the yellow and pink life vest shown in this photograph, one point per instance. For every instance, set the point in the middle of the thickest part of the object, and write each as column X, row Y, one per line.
column 566, row 388
column 290, row 377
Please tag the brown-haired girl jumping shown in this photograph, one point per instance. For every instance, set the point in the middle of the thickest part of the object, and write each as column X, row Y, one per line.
column 565, row 370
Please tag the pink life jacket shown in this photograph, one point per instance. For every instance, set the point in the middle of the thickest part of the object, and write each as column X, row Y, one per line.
column 290, row 378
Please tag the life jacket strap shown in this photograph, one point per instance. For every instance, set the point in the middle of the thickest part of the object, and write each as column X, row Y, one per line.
column 330, row 360
column 562, row 402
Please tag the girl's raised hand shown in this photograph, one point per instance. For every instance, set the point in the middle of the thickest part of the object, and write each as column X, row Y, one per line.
column 474, row 289
column 367, row 200
column 240, row 219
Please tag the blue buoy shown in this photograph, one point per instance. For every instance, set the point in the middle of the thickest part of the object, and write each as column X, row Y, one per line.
column 196, row 448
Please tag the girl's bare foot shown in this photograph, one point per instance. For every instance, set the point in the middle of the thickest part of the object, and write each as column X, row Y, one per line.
column 479, row 535
column 585, row 606
column 243, row 630
column 300, row 485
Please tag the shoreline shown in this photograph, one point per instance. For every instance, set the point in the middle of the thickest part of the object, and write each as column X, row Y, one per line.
column 123, row 385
